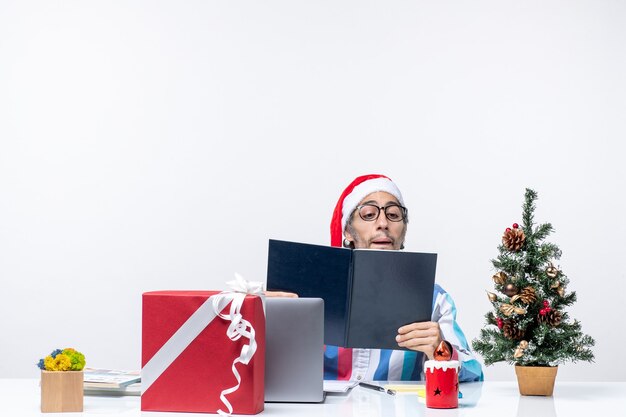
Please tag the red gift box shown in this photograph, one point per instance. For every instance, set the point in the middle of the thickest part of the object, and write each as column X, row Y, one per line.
column 187, row 357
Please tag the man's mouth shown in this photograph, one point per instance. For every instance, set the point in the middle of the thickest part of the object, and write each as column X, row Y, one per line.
column 383, row 241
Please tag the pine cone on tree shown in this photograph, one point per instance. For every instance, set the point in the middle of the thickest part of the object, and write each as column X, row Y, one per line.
column 526, row 296
column 551, row 317
column 511, row 331
column 513, row 239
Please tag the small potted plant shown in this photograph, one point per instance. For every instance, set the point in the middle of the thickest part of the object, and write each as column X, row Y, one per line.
column 528, row 325
column 62, row 381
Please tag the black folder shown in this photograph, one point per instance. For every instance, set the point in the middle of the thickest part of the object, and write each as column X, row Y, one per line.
column 368, row 294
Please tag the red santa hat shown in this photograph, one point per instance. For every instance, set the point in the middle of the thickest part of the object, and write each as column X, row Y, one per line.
column 351, row 197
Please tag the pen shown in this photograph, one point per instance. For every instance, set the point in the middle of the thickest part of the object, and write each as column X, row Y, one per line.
column 377, row 388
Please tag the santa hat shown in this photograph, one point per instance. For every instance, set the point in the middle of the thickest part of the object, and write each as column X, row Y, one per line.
column 355, row 192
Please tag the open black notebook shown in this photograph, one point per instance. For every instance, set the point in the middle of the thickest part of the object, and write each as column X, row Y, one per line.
column 368, row 294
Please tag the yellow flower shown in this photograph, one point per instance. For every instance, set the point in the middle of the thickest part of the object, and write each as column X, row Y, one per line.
column 61, row 363
column 48, row 362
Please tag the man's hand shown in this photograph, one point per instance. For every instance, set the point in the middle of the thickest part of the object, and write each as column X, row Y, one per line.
column 280, row 294
column 424, row 337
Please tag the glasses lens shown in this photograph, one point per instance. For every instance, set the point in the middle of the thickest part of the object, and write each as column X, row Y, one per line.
column 394, row 213
column 368, row 213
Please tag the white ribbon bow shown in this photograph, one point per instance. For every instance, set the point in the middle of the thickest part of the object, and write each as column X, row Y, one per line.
column 238, row 328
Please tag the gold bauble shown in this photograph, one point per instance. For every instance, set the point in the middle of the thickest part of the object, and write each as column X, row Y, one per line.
column 492, row 296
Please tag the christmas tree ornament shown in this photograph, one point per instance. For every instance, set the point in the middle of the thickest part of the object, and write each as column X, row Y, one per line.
column 519, row 310
column 551, row 317
column 443, row 351
column 534, row 314
column 513, row 239
column 519, row 350
column 559, row 288
column 511, row 330
column 527, row 295
column 492, row 296
column 500, row 278
column 508, row 309
column 551, row 271
column 510, row 290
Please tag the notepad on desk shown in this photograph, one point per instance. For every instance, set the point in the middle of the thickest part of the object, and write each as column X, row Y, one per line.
column 111, row 382
column 129, row 390
column 411, row 388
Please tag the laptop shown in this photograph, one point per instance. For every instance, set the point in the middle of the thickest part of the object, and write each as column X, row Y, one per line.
column 294, row 350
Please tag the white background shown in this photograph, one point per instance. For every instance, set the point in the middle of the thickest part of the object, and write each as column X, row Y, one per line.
column 158, row 145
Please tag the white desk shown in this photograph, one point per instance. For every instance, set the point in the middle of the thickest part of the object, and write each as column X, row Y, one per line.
column 21, row 398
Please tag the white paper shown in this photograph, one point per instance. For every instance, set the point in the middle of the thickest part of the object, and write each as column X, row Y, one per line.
column 339, row 386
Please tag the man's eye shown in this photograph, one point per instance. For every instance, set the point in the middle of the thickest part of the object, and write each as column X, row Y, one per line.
column 368, row 213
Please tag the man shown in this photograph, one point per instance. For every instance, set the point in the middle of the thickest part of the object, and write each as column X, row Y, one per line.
column 370, row 214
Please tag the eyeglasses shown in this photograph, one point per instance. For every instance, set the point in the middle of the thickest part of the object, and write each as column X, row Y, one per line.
column 393, row 212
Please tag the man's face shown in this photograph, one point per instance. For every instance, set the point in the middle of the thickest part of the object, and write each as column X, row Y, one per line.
column 380, row 233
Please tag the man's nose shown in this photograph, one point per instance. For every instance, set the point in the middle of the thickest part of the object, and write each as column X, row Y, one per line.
column 381, row 221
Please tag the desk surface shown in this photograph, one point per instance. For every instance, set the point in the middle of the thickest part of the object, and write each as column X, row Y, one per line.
column 21, row 398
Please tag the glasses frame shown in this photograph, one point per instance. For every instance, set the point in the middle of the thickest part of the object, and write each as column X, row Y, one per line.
column 383, row 209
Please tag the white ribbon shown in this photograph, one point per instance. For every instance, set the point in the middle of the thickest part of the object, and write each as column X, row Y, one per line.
column 198, row 321
column 238, row 328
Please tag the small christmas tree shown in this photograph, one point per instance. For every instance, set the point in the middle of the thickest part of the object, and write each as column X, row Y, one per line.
column 529, row 325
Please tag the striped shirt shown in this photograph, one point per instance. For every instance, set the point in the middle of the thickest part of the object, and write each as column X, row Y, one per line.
column 400, row 365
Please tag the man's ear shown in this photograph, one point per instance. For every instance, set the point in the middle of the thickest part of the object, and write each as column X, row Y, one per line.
column 347, row 235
